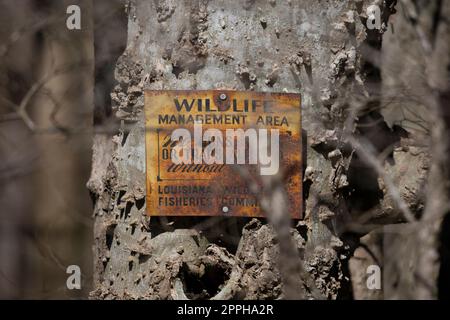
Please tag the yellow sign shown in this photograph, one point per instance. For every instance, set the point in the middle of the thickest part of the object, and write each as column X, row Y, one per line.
column 207, row 152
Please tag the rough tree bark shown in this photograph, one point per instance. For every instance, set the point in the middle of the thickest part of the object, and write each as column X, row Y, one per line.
column 310, row 47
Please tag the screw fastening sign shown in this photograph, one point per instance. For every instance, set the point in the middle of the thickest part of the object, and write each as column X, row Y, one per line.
column 208, row 153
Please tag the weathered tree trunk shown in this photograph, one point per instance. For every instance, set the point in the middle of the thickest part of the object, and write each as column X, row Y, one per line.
column 310, row 47
column 45, row 132
column 63, row 108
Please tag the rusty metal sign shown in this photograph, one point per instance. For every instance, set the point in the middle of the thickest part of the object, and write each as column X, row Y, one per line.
column 207, row 152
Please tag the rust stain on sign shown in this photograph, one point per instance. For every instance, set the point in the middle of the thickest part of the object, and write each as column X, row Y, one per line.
column 207, row 151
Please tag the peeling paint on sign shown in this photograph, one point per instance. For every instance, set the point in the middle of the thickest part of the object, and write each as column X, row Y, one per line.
column 206, row 151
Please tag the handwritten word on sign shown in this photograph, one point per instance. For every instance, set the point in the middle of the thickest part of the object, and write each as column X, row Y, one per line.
column 208, row 153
